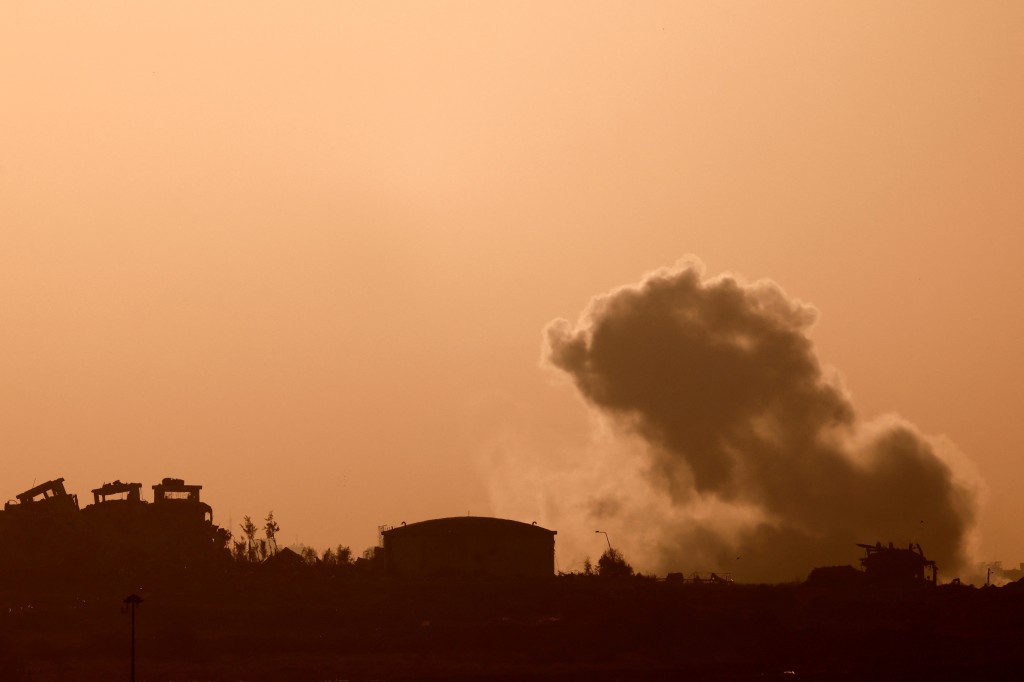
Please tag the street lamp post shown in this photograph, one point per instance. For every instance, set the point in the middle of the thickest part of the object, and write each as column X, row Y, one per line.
column 132, row 602
column 606, row 539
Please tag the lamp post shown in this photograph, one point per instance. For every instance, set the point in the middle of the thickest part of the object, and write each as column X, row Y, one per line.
column 132, row 602
column 606, row 539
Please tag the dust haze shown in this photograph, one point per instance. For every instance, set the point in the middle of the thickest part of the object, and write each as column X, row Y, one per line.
column 728, row 446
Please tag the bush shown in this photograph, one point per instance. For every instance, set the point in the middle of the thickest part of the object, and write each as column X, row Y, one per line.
column 613, row 565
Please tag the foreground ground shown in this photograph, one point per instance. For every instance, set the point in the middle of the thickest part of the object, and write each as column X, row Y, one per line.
column 252, row 628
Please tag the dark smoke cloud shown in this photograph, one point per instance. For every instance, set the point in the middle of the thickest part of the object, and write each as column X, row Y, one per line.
column 722, row 382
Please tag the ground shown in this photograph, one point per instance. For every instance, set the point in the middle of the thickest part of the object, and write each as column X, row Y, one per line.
column 300, row 627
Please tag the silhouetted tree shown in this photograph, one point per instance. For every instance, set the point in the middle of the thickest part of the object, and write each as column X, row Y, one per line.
column 309, row 556
column 613, row 565
column 342, row 556
column 251, row 546
column 270, row 529
column 223, row 537
column 254, row 550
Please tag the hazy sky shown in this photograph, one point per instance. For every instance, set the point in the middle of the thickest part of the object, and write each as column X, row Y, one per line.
column 303, row 253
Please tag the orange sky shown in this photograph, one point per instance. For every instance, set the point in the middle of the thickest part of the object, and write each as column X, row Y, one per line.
column 302, row 253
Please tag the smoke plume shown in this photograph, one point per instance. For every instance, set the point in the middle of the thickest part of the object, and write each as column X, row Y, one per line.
column 755, row 460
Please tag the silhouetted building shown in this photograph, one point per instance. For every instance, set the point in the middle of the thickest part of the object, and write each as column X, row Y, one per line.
column 997, row 574
column 895, row 566
column 45, row 533
column 172, row 495
column 119, row 506
column 843, row 577
column 45, row 498
column 286, row 559
column 133, row 492
column 469, row 546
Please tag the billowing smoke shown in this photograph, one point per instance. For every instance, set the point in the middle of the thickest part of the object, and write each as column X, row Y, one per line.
column 756, row 456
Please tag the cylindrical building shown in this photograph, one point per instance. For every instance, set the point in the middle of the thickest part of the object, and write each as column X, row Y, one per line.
column 469, row 545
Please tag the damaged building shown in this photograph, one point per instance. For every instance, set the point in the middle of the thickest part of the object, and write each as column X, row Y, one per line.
column 896, row 566
column 881, row 566
column 119, row 531
column 174, row 496
column 45, row 499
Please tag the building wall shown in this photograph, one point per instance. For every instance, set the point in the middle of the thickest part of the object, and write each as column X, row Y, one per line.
column 476, row 546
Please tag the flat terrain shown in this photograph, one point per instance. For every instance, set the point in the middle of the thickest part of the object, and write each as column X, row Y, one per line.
column 311, row 627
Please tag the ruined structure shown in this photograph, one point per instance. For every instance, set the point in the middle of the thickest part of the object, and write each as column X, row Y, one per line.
column 469, row 546
column 44, row 499
column 120, row 533
column 173, row 496
column 116, row 505
column 897, row 567
column 133, row 492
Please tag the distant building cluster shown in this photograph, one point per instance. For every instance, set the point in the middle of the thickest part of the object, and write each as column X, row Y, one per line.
column 44, row 526
column 172, row 498
column 44, row 529
column 177, row 528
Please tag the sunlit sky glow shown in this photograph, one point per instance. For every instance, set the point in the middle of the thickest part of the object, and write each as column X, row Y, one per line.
column 302, row 253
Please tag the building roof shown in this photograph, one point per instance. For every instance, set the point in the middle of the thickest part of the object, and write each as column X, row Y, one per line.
column 56, row 486
column 176, row 485
column 116, row 487
column 467, row 525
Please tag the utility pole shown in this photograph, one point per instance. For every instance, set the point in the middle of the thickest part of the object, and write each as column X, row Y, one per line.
column 132, row 602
